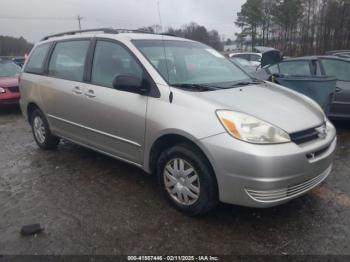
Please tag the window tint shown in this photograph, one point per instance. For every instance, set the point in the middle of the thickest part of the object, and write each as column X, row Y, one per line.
column 337, row 68
column 110, row 60
column 295, row 68
column 36, row 59
column 68, row 60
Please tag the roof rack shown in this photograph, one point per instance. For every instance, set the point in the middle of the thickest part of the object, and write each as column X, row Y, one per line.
column 104, row 30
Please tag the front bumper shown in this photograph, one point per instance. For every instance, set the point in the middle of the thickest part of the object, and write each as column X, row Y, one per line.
column 9, row 98
column 268, row 175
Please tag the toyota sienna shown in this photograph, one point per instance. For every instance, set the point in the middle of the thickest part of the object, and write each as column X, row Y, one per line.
column 178, row 109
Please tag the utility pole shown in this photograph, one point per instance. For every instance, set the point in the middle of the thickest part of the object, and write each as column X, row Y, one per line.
column 79, row 23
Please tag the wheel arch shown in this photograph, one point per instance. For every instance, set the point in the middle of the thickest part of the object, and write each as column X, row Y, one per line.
column 169, row 140
column 30, row 109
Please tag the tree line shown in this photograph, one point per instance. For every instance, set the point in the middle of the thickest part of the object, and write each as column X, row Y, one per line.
column 297, row 27
column 192, row 31
column 11, row 46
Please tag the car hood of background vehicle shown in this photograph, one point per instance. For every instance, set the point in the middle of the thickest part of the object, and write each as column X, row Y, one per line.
column 8, row 81
column 276, row 105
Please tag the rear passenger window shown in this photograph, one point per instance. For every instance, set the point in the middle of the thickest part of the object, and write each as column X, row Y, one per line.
column 111, row 60
column 36, row 60
column 68, row 60
column 295, row 68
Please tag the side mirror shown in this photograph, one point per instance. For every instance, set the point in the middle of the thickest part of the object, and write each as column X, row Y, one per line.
column 131, row 83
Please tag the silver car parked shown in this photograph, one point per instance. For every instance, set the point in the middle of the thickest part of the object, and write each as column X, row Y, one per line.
column 178, row 109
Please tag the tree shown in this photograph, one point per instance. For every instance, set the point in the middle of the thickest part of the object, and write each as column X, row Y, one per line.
column 286, row 14
column 228, row 41
column 151, row 29
column 199, row 33
column 11, row 46
column 297, row 27
column 250, row 18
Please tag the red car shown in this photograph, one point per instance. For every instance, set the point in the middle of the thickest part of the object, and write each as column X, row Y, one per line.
column 9, row 91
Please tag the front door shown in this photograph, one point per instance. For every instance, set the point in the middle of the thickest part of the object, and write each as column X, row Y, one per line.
column 116, row 119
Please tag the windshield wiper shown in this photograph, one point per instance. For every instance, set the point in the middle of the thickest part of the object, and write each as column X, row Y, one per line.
column 200, row 87
column 247, row 83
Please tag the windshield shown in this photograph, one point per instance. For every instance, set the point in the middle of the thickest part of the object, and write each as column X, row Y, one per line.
column 184, row 63
column 9, row 69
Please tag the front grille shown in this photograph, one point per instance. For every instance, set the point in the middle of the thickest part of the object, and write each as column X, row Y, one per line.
column 305, row 136
column 13, row 89
column 270, row 196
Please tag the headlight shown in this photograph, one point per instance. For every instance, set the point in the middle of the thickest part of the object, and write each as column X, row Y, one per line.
column 2, row 90
column 250, row 129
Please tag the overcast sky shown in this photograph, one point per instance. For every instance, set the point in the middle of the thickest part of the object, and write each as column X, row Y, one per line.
column 34, row 19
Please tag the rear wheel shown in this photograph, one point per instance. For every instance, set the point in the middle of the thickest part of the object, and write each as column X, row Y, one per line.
column 41, row 131
column 187, row 180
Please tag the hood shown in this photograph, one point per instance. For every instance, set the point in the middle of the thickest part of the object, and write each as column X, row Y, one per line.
column 274, row 104
column 270, row 56
column 8, row 81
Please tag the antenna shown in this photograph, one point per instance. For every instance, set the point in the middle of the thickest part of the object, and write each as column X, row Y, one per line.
column 79, row 21
column 164, row 50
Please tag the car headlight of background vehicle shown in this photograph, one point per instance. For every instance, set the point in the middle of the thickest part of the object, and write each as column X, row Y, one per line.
column 250, row 129
column 2, row 90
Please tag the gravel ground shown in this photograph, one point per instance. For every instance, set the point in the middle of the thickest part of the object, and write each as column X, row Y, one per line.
column 92, row 204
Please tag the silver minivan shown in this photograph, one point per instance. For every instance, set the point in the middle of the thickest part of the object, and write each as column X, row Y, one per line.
column 178, row 109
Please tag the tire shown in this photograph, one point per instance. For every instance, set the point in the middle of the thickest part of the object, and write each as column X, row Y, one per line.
column 44, row 139
column 206, row 197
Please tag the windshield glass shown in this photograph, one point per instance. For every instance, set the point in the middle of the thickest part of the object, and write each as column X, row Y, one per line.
column 9, row 69
column 190, row 63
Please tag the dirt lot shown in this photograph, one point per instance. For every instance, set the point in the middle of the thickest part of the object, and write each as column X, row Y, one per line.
column 92, row 204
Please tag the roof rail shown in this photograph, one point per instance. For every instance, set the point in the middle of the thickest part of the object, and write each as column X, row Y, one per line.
column 104, row 30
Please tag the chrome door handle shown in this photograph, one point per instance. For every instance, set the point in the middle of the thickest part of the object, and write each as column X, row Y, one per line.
column 90, row 93
column 77, row 90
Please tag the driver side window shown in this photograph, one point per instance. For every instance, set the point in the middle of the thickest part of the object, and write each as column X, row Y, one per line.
column 111, row 60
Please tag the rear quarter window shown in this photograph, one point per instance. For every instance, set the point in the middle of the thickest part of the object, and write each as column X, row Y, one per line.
column 36, row 60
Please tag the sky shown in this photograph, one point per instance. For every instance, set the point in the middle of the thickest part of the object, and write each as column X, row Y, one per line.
column 34, row 19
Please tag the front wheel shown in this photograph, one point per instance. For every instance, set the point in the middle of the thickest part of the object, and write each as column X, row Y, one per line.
column 187, row 180
column 41, row 131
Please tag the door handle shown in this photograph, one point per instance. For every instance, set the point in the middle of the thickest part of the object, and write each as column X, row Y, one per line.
column 90, row 93
column 77, row 90
column 338, row 89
